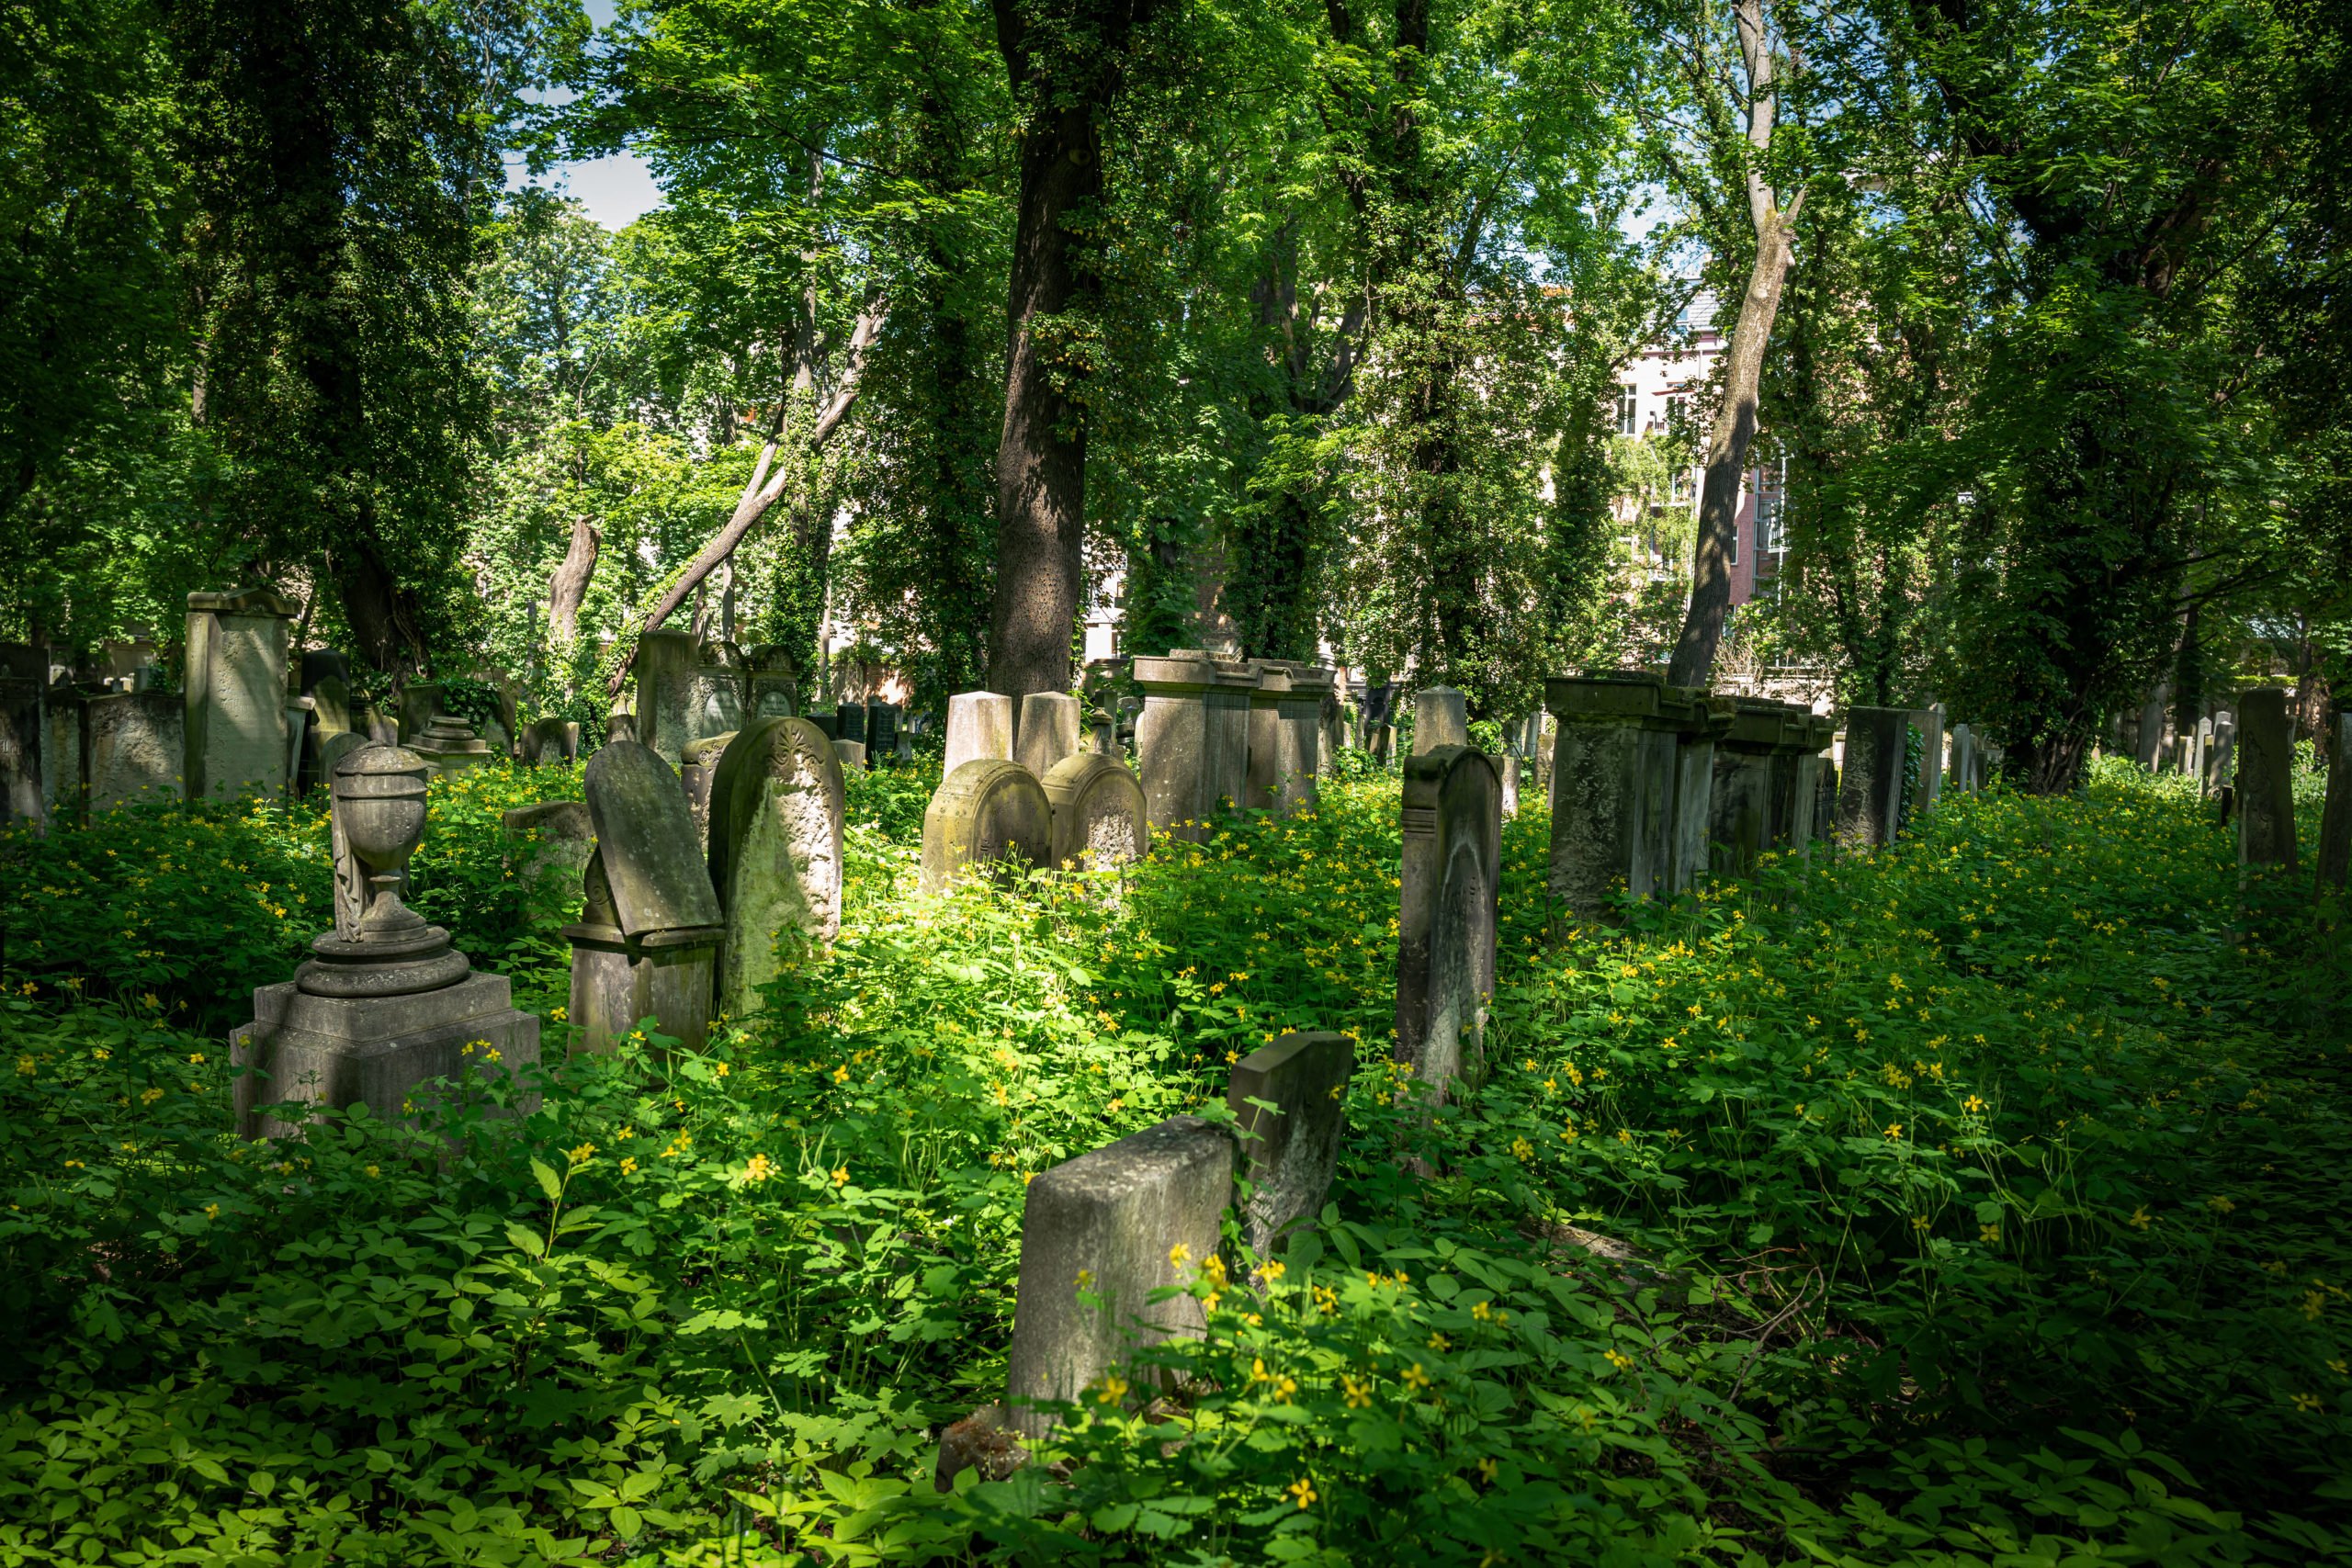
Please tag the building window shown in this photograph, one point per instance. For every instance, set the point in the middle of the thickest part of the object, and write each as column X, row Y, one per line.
column 1771, row 507
column 1626, row 406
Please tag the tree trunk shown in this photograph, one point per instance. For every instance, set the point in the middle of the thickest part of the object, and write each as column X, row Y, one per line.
column 568, row 588
column 1041, row 456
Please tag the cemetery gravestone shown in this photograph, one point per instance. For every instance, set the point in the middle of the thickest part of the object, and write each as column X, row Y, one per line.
column 2147, row 740
column 849, row 722
column 1929, row 722
column 776, row 850
column 1262, row 788
column 1098, row 812
column 980, row 729
column 2335, row 857
column 2266, row 786
column 136, row 749
column 1301, row 708
column 696, row 764
column 1613, row 766
column 983, row 811
column 20, row 748
column 1963, row 758
column 1047, row 732
column 550, row 840
column 1747, row 778
column 1694, row 787
column 1869, row 796
column 65, row 753
column 1193, row 739
column 881, row 731
column 235, row 726
column 647, row 941
column 385, row 1004
column 450, row 744
column 1441, row 717
column 775, row 683
column 1449, row 886
column 852, row 753
column 1288, row 1153
column 549, row 741
column 420, row 705
column 1119, row 1223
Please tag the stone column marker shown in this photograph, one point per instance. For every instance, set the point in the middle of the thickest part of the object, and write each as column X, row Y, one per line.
column 1929, row 722
column 982, row 811
column 1118, row 1223
column 1615, row 758
column 648, row 938
column 1098, row 812
column 1870, row 794
column 235, row 722
column 776, row 849
column 1288, row 1155
column 1448, row 891
column 2266, row 783
column 1049, row 730
column 979, row 728
column 385, row 1004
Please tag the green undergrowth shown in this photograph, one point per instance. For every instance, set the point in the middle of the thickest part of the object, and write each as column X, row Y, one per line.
column 1974, row 1202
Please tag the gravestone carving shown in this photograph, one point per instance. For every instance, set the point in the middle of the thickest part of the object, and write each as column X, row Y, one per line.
column 1098, row 812
column 1449, row 888
column 980, row 813
column 776, row 850
column 138, row 747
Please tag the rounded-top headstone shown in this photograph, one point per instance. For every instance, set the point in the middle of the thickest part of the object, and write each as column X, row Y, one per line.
column 652, row 854
column 1099, row 819
column 984, row 811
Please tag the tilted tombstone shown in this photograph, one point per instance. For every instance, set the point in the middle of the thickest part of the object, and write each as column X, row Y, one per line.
column 384, row 1004
column 1193, row 739
column 21, row 738
column 1441, row 717
column 1098, row 812
column 136, row 749
column 776, row 849
column 2334, row 861
column 1870, row 795
column 1289, row 1153
column 1100, row 1234
column 647, row 941
column 696, row 764
column 1614, row 761
column 980, row 729
column 551, row 841
column 234, row 728
column 1449, row 886
column 2266, row 784
column 1048, row 730
column 980, row 813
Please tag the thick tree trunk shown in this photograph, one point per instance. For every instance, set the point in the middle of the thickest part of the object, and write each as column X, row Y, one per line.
column 568, row 588
column 1041, row 456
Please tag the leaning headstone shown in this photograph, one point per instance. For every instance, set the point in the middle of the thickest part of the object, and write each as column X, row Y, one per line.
column 980, row 813
column 385, row 1005
column 776, row 849
column 2266, row 783
column 235, row 723
column 551, row 841
column 1615, row 757
column 21, row 736
column 1098, row 811
column 1441, row 717
column 1448, row 890
column 696, row 765
column 980, row 729
column 648, row 938
column 1047, row 731
column 1100, row 1235
column 1193, row 739
column 2335, row 857
column 1869, row 796
column 136, row 749
column 1288, row 1153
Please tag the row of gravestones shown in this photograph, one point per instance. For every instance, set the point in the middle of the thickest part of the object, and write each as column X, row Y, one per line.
column 1033, row 782
column 691, row 690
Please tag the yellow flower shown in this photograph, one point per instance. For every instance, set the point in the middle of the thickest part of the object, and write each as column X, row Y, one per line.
column 760, row 1169
column 1894, row 1130
column 721, row 1069
column 212, row 1211
column 1415, row 1377
column 2220, row 1205
column 1481, row 1311
column 374, row 1171
column 1357, row 1392
column 1988, row 1233
column 841, row 1175
column 196, row 1060
column 841, row 1075
column 1303, row 1490
column 1486, row 1468
column 1179, row 1254
column 1110, row 1390
column 2140, row 1218
column 582, row 1155
column 1972, row 1104
column 2309, row 1403
column 628, row 1166
column 1440, row 1342
column 1523, row 1148
column 149, row 1096
column 1619, row 1359
column 1272, row 1271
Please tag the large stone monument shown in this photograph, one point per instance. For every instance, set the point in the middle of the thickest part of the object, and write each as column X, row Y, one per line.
column 385, row 1004
column 1448, row 890
column 774, row 678
column 1289, row 1104
column 234, row 729
column 1614, row 763
column 136, row 749
column 980, row 813
column 2265, row 798
column 1286, row 715
column 1099, row 1235
column 684, row 691
column 1747, row 780
column 776, row 850
column 1695, row 789
column 1193, row 739
column 1098, row 811
column 698, row 767
column 1870, row 794
column 647, row 941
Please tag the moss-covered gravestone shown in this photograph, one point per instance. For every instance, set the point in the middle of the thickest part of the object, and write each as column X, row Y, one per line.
column 1098, row 812
column 984, row 811
column 776, row 849
column 1289, row 1103
column 1870, row 786
column 1448, row 889
column 2266, row 778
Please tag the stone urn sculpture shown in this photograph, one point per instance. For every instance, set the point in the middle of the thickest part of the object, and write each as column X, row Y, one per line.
column 380, row 947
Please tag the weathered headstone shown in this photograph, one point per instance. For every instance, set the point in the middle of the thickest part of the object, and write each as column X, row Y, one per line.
column 1869, row 796
column 775, row 683
column 696, row 764
column 2266, row 785
column 1271, row 761
column 663, row 659
column 776, row 849
column 1098, row 812
column 1615, row 757
column 849, row 722
column 1300, row 701
column 385, row 1004
column 1193, row 739
column 2147, row 743
column 1102, row 733
column 1116, row 1224
column 2222, row 761
column 648, row 938
column 980, row 729
column 1441, row 717
column 21, row 738
column 852, row 753
column 549, row 741
column 1047, row 731
column 1929, row 722
column 2334, row 861
column 550, row 841
column 881, row 731
column 1379, row 719
column 1448, row 888
column 1695, row 788
column 685, row 696
column 1746, row 779
column 136, row 749
column 981, row 812
column 65, row 753
column 301, row 714
column 420, row 705
column 1963, row 776
column 236, row 723
column 1289, row 1153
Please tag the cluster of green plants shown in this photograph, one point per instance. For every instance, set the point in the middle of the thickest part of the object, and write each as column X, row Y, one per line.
column 1970, row 1202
